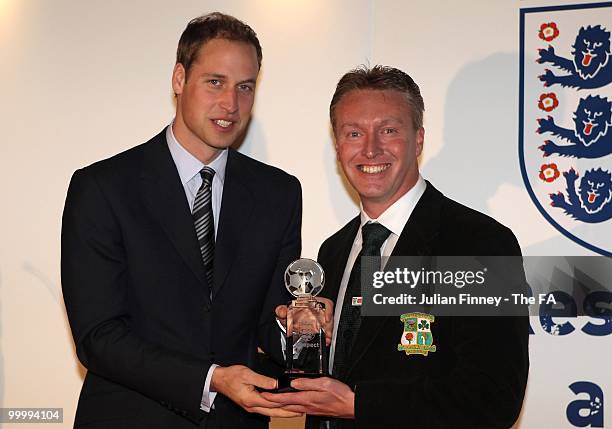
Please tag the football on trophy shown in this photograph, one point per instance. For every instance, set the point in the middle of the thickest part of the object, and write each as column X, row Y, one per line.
column 304, row 277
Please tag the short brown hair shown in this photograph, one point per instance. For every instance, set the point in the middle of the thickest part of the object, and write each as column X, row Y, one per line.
column 380, row 78
column 212, row 26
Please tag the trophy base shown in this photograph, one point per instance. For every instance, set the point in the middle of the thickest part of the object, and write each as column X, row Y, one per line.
column 284, row 381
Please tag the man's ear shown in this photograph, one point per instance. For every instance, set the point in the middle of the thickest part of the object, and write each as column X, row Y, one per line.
column 333, row 134
column 178, row 78
column 420, row 139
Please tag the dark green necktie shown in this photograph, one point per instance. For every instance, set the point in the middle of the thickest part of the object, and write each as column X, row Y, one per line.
column 373, row 235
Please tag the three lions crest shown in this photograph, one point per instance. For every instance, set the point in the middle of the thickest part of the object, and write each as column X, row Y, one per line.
column 566, row 119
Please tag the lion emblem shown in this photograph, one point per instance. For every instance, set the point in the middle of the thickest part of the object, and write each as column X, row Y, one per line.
column 589, row 138
column 590, row 67
column 591, row 203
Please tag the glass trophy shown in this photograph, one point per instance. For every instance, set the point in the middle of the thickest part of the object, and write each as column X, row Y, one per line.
column 305, row 352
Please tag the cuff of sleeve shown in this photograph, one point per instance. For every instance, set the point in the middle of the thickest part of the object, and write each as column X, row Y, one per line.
column 208, row 397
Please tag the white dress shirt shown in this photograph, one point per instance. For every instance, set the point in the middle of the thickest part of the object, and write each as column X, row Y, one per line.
column 394, row 219
column 189, row 167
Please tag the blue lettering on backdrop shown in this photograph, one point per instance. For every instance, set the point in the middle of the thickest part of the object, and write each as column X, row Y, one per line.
column 577, row 410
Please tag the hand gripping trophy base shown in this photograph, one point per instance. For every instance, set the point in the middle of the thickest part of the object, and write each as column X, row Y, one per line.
column 284, row 381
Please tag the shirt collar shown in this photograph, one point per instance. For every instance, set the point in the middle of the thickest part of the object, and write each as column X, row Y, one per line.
column 396, row 216
column 189, row 166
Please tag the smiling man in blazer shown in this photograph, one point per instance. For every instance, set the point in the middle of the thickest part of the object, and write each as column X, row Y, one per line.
column 173, row 254
column 477, row 375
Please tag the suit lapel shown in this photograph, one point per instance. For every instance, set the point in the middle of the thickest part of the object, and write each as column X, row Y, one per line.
column 335, row 269
column 236, row 209
column 334, row 263
column 415, row 240
column 164, row 195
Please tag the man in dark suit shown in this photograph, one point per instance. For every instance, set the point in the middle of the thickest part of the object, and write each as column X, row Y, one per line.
column 476, row 376
column 173, row 254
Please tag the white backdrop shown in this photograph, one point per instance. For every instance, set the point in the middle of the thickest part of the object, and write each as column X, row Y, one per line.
column 84, row 80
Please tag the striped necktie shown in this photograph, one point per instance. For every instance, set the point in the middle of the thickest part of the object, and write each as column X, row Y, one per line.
column 204, row 222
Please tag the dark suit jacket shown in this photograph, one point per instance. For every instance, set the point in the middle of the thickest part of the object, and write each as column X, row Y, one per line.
column 136, row 293
column 477, row 376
